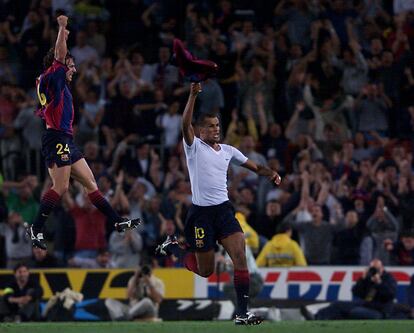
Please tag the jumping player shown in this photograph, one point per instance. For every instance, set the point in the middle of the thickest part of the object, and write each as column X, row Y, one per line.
column 63, row 159
column 212, row 217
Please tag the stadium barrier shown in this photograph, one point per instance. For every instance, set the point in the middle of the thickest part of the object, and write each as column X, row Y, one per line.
column 190, row 297
column 322, row 283
column 104, row 283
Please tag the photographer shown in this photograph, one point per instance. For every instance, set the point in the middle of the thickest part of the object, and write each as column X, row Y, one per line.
column 375, row 292
column 20, row 300
column 145, row 293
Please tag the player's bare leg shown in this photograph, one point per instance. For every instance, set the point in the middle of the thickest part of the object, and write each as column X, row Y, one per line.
column 60, row 180
column 81, row 172
column 200, row 263
column 236, row 248
column 205, row 263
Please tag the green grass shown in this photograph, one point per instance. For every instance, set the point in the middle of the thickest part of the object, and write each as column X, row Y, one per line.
column 213, row 327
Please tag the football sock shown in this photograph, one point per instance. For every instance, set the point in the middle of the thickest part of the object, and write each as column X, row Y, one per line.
column 49, row 200
column 241, row 284
column 104, row 207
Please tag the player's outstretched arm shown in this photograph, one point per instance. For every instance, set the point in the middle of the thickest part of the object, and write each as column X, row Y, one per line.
column 61, row 48
column 187, row 128
column 262, row 170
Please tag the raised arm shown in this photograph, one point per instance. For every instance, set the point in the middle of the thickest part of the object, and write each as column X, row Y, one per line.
column 187, row 128
column 262, row 170
column 61, row 48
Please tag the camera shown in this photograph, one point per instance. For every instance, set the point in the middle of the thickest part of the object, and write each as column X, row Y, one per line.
column 145, row 270
column 371, row 272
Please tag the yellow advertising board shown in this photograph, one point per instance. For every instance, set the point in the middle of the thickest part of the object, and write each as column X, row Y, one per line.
column 105, row 283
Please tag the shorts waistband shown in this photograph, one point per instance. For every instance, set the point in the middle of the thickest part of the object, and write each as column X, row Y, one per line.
column 214, row 206
column 52, row 130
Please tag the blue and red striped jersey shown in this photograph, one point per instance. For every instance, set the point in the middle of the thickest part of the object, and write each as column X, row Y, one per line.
column 55, row 97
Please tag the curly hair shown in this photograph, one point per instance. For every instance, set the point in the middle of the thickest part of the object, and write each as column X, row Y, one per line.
column 50, row 57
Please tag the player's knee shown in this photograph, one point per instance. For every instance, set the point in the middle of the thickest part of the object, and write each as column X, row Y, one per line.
column 206, row 271
column 91, row 185
column 61, row 188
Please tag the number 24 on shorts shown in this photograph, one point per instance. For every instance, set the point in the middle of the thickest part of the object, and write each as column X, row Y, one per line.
column 61, row 150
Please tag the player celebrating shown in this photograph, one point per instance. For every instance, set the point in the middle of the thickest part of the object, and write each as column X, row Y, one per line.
column 211, row 217
column 62, row 157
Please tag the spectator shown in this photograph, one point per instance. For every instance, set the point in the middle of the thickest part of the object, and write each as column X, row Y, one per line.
column 272, row 217
column 148, row 111
column 401, row 6
column 170, row 123
column 227, row 75
column 162, row 75
column 240, row 127
column 43, row 259
column 84, row 53
column 259, row 82
column 21, row 297
column 251, row 236
column 354, row 68
column 315, row 234
column 347, row 242
column 144, row 293
column 372, row 107
column 299, row 17
column 102, row 260
column 174, row 172
column 89, row 225
column 382, row 225
column 281, row 250
column 17, row 242
column 8, row 71
column 31, row 60
column 92, row 112
column 20, row 197
column 95, row 38
column 125, row 249
column 247, row 147
column 301, row 122
column 138, row 164
column 274, row 145
column 375, row 292
column 330, row 112
column 402, row 251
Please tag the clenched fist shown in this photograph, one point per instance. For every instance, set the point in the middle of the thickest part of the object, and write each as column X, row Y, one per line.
column 195, row 89
column 62, row 21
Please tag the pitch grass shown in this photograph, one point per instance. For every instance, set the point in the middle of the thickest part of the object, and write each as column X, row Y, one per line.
column 380, row 326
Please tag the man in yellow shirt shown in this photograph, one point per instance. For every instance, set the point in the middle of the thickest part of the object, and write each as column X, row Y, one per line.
column 251, row 236
column 281, row 250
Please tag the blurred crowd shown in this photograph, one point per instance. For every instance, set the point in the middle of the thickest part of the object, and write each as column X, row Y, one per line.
column 320, row 90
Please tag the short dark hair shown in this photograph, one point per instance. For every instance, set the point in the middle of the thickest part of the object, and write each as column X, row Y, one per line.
column 282, row 228
column 407, row 233
column 18, row 266
column 50, row 57
column 202, row 117
column 102, row 251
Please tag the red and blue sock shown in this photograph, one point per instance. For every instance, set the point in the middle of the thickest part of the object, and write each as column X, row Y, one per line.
column 49, row 201
column 104, row 207
column 241, row 285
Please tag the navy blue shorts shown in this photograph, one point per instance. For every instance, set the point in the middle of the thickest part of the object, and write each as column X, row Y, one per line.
column 58, row 148
column 205, row 225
